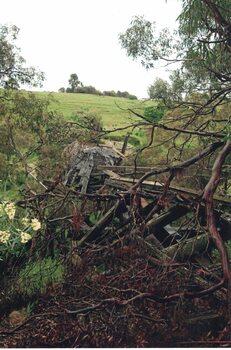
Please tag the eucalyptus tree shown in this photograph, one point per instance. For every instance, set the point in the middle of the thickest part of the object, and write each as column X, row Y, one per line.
column 201, row 45
column 14, row 74
column 13, row 71
column 160, row 90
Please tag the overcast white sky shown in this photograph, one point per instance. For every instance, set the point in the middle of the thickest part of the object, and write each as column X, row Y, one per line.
column 81, row 36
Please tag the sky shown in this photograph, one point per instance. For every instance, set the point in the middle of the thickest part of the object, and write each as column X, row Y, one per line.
column 62, row 37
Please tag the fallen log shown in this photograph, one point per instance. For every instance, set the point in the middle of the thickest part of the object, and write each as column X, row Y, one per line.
column 185, row 249
column 208, row 321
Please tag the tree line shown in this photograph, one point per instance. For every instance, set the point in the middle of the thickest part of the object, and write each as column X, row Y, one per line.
column 76, row 86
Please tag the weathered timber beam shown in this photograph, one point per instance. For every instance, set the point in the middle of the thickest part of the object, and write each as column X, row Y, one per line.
column 154, row 248
column 186, row 248
column 166, row 218
column 204, row 284
column 124, row 187
column 95, row 232
column 157, row 184
column 85, row 173
column 202, row 317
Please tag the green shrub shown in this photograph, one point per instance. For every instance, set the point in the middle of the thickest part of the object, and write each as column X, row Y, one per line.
column 133, row 139
column 216, row 255
column 132, row 97
column 110, row 93
column 114, row 137
column 36, row 276
column 94, row 217
column 154, row 114
column 4, row 166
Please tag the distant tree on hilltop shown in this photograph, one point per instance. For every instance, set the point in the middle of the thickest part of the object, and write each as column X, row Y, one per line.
column 62, row 89
column 74, row 82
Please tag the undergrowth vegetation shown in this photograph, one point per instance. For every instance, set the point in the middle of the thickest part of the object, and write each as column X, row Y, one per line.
column 37, row 276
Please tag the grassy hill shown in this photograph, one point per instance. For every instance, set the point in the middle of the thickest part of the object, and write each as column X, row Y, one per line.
column 113, row 110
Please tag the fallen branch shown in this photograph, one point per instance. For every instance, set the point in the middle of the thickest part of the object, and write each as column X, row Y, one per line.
column 188, row 247
column 207, row 151
column 146, row 295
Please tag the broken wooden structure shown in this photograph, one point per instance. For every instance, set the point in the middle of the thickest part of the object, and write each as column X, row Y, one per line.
column 83, row 159
column 170, row 228
column 91, row 169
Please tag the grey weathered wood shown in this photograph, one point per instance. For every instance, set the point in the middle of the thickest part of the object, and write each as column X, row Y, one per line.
column 154, row 248
column 152, row 184
column 186, row 248
column 85, row 172
column 95, row 232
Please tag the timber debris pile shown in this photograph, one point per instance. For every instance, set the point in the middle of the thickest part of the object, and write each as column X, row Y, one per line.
column 84, row 159
column 140, row 265
column 156, row 210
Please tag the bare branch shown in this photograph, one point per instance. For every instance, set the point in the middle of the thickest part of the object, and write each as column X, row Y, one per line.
column 211, row 221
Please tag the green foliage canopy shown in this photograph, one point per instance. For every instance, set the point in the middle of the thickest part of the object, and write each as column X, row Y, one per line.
column 201, row 46
column 13, row 71
column 159, row 90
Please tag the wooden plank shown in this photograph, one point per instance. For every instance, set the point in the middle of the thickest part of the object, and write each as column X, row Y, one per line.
column 158, row 184
column 186, row 248
column 168, row 217
column 97, row 230
column 85, row 172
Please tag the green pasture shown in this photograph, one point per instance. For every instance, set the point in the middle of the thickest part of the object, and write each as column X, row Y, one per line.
column 113, row 110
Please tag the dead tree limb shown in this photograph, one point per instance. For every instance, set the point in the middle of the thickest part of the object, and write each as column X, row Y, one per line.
column 207, row 151
column 181, row 130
